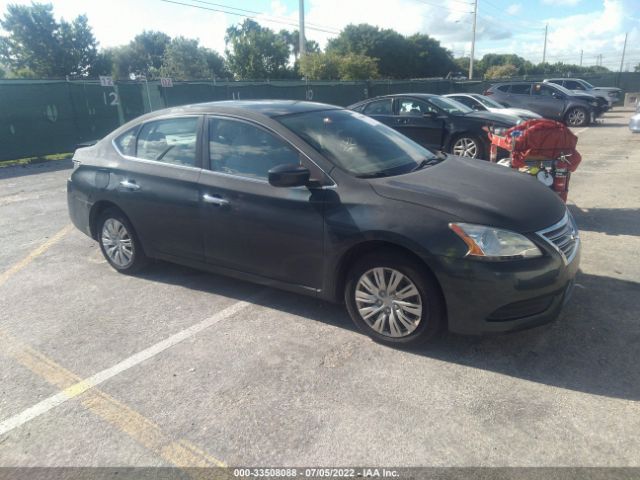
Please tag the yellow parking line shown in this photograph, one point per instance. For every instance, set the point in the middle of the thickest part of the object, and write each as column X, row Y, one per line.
column 180, row 453
column 15, row 268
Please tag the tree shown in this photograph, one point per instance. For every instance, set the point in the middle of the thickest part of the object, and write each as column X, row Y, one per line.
column 501, row 71
column 331, row 66
column 398, row 56
column 36, row 44
column 2, row 72
column 216, row 63
column 256, row 52
column 142, row 56
column 184, row 59
column 637, row 68
column 292, row 39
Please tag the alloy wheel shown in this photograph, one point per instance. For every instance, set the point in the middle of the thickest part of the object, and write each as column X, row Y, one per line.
column 117, row 243
column 389, row 302
column 466, row 147
column 576, row 117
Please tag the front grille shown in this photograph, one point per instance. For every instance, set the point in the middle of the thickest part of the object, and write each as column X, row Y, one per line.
column 563, row 236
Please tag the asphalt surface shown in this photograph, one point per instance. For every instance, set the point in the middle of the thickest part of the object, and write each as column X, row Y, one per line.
column 240, row 374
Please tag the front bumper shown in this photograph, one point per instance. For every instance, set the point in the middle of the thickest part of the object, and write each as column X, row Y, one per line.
column 485, row 297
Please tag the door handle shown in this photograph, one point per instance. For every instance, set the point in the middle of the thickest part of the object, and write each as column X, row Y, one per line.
column 129, row 184
column 221, row 202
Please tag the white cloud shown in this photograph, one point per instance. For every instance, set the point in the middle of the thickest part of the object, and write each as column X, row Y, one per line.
column 567, row 3
column 514, row 9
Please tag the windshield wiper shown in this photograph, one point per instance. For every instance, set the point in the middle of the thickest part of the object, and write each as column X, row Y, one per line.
column 428, row 162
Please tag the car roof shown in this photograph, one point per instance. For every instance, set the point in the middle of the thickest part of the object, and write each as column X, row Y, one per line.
column 269, row 108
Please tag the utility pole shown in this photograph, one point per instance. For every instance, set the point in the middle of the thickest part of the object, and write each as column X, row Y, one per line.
column 303, row 43
column 473, row 39
column 581, row 52
column 624, row 51
column 544, row 51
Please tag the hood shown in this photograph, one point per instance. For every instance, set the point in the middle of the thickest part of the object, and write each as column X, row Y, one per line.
column 521, row 112
column 475, row 191
column 585, row 96
column 486, row 118
column 607, row 89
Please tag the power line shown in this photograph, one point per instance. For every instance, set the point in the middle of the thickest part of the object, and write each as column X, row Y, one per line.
column 254, row 12
column 292, row 24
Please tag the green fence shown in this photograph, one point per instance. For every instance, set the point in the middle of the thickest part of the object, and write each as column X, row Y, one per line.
column 40, row 117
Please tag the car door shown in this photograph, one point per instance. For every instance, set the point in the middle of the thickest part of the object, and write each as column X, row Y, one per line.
column 381, row 110
column 249, row 225
column 420, row 121
column 519, row 95
column 547, row 101
column 157, row 184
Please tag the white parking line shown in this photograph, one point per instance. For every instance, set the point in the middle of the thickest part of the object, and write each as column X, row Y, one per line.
column 100, row 377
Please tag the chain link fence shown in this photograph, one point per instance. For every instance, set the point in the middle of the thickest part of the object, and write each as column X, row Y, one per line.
column 40, row 117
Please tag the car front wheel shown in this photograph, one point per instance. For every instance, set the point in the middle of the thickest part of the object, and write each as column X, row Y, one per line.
column 119, row 243
column 577, row 117
column 467, row 146
column 392, row 300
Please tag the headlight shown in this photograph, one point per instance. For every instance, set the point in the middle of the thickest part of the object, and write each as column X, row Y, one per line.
column 490, row 243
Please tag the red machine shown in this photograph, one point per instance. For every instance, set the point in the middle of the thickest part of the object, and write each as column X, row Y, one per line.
column 544, row 148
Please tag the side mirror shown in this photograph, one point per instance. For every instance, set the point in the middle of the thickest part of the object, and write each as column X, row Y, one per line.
column 289, row 176
column 557, row 96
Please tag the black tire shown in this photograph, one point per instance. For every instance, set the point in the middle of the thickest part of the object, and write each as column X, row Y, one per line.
column 138, row 258
column 432, row 314
column 477, row 141
column 577, row 117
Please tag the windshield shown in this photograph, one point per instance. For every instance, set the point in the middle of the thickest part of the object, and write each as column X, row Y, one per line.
column 487, row 102
column 561, row 89
column 356, row 143
column 450, row 106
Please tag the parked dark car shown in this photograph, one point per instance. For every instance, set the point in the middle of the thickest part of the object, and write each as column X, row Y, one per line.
column 436, row 122
column 331, row 203
column 609, row 95
column 549, row 100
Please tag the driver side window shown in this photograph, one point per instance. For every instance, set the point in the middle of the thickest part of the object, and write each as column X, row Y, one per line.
column 170, row 141
column 414, row 107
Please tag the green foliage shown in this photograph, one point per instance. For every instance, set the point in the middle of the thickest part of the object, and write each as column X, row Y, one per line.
column 292, row 39
column 501, row 71
column 398, row 56
column 2, row 72
column 637, row 68
column 256, row 52
column 39, row 45
column 142, row 56
column 184, row 59
column 333, row 66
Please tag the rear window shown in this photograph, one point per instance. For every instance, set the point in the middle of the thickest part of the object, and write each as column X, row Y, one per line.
column 520, row 89
column 503, row 88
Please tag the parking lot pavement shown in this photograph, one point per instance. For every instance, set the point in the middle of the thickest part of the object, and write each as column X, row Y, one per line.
column 178, row 367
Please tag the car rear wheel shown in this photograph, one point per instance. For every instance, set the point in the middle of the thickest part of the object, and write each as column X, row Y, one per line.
column 467, row 146
column 119, row 243
column 577, row 117
column 392, row 300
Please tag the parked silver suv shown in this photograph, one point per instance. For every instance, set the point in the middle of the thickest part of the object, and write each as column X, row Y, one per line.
column 610, row 94
column 548, row 100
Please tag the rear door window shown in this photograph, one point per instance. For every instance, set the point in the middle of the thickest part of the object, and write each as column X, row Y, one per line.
column 379, row 107
column 171, row 141
column 520, row 89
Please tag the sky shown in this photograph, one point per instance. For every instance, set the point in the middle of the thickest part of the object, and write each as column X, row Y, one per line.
column 595, row 27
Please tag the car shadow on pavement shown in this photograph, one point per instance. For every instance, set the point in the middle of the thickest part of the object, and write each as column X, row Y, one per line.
column 612, row 221
column 592, row 348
